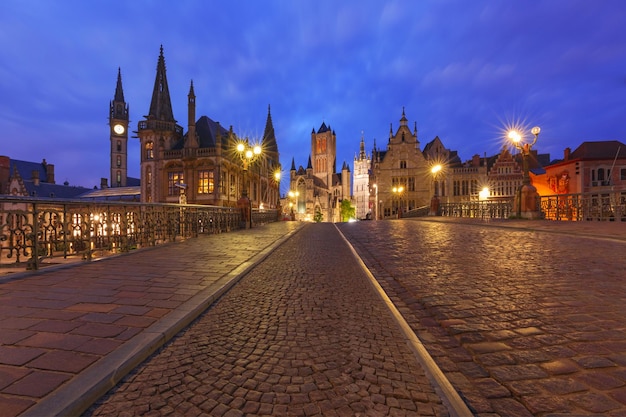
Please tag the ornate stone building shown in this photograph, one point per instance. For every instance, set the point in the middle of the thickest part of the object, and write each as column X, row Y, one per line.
column 360, row 184
column 401, row 179
column 319, row 188
column 202, row 165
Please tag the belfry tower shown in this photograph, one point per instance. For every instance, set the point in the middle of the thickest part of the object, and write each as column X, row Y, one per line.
column 118, row 125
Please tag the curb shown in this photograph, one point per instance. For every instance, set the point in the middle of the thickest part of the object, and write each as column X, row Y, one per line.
column 86, row 388
column 449, row 396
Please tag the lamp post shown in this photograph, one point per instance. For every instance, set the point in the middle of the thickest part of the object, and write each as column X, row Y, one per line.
column 397, row 191
column 376, row 203
column 248, row 155
column 434, row 202
column 526, row 197
column 293, row 201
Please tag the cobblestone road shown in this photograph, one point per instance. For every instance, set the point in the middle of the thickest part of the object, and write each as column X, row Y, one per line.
column 303, row 334
column 522, row 323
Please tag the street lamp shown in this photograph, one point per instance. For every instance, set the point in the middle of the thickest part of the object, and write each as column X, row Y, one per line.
column 293, row 201
column 434, row 202
column 527, row 196
column 397, row 191
column 248, row 155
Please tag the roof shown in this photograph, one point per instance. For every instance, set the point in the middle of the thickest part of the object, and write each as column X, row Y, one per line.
column 131, row 193
column 58, row 191
column 323, row 128
column 26, row 168
column 606, row 149
column 207, row 131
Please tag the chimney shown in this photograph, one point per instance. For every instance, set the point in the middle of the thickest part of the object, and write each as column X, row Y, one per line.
column 566, row 153
column 35, row 178
column 5, row 173
column 103, row 183
column 50, row 173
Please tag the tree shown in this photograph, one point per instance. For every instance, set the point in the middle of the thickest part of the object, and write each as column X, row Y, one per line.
column 347, row 211
column 318, row 216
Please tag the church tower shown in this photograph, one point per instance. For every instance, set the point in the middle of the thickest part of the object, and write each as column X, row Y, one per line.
column 118, row 125
column 157, row 135
column 324, row 154
column 361, row 191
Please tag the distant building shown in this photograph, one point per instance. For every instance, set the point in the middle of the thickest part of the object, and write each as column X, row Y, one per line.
column 360, row 183
column 319, row 188
column 401, row 177
column 33, row 179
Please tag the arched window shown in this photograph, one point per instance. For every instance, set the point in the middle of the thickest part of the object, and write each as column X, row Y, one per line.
column 149, row 150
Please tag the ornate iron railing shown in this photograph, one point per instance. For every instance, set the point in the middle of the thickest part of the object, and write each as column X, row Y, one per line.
column 34, row 231
column 501, row 209
column 609, row 206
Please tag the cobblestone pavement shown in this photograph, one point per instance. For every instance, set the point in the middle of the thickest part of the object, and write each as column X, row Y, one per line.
column 522, row 321
column 303, row 334
column 68, row 334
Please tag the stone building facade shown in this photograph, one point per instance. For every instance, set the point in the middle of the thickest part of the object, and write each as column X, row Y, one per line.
column 316, row 192
column 202, row 165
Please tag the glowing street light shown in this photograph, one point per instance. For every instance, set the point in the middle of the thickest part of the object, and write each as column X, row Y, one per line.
column 527, row 196
column 397, row 192
column 434, row 202
column 248, row 155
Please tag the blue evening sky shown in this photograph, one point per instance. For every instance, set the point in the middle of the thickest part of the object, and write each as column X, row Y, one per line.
column 462, row 69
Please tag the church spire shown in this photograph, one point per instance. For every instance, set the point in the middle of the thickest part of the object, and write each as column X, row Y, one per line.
column 192, row 138
column 269, row 137
column 119, row 91
column 161, row 105
column 362, row 154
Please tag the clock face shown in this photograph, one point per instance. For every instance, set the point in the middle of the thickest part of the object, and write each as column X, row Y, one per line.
column 119, row 129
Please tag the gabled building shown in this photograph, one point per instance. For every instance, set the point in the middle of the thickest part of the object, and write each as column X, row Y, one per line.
column 33, row 179
column 200, row 166
column 401, row 177
column 319, row 189
column 593, row 167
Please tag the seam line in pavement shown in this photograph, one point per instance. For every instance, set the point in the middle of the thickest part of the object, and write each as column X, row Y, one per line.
column 450, row 397
column 75, row 397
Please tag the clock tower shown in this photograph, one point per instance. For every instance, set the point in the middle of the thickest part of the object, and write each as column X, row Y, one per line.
column 118, row 125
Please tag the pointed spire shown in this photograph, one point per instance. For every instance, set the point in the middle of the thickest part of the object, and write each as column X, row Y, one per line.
column 362, row 154
column 192, row 137
column 161, row 105
column 293, row 164
column 119, row 91
column 269, row 137
column 415, row 130
column 118, row 107
column 403, row 120
column 309, row 165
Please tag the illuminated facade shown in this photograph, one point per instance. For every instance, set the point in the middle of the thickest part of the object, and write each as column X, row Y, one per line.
column 319, row 188
column 200, row 166
column 360, row 184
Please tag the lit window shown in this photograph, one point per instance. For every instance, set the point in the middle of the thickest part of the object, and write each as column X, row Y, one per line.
column 206, row 182
column 174, row 178
column 149, row 150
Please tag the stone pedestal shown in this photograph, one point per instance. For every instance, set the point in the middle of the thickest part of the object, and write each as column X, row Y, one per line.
column 246, row 211
column 527, row 202
column 434, row 206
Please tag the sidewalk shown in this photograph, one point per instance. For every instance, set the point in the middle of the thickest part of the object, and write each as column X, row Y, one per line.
column 68, row 334
column 598, row 229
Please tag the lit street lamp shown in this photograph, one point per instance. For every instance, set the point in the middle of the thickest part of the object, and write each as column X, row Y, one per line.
column 248, row 155
column 397, row 191
column 527, row 197
column 434, row 202
column 293, row 201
